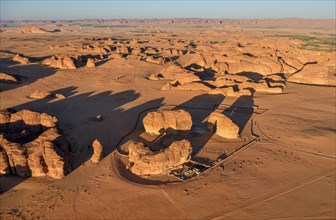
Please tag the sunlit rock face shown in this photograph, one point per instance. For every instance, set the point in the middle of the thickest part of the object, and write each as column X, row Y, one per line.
column 147, row 162
column 31, row 145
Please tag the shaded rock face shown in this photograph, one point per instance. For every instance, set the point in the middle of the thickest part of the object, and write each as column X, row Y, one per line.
column 147, row 162
column 21, row 59
column 169, row 121
column 98, row 151
column 223, row 125
column 31, row 145
column 61, row 62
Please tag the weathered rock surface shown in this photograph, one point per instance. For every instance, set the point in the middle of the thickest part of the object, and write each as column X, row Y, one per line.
column 175, row 72
column 90, row 63
column 21, row 59
column 169, row 121
column 315, row 74
column 155, row 59
column 7, row 78
column 229, row 92
column 98, row 151
column 31, row 145
column 122, row 50
column 61, row 62
column 147, row 162
column 38, row 94
column 223, row 125
column 192, row 86
column 28, row 30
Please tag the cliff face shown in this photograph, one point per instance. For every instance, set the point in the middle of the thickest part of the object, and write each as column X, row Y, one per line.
column 31, row 145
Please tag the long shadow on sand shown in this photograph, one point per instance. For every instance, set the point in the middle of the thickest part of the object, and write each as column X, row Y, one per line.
column 77, row 120
column 26, row 74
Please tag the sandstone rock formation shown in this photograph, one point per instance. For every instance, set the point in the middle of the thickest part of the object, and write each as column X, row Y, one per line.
column 31, row 145
column 38, row 94
column 150, row 51
column 147, row 162
column 175, row 72
column 137, row 50
column 122, row 50
column 169, row 121
column 223, row 125
column 28, row 30
column 21, row 59
column 155, row 59
column 229, row 92
column 90, row 63
column 59, row 96
column 7, row 78
column 98, row 151
column 115, row 56
column 192, row 86
column 61, row 62
column 315, row 74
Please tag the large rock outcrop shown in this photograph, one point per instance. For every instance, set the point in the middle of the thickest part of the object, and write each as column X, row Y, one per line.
column 223, row 125
column 169, row 121
column 175, row 72
column 147, row 162
column 315, row 74
column 31, row 145
column 61, row 62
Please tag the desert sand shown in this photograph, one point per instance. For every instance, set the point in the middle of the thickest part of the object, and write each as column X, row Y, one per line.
column 168, row 119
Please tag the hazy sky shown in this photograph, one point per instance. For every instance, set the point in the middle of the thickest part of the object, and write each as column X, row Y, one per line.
column 81, row 9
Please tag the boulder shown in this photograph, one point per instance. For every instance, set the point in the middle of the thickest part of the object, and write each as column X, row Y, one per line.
column 90, row 63
column 169, row 121
column 21, row 59
column 59, row 96
column 223, row 125
column 7, row 78
column 98, row 151
column 38, row 94
column 147, row 162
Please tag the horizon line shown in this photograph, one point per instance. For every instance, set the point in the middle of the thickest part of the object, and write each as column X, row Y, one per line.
column 107, row 19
